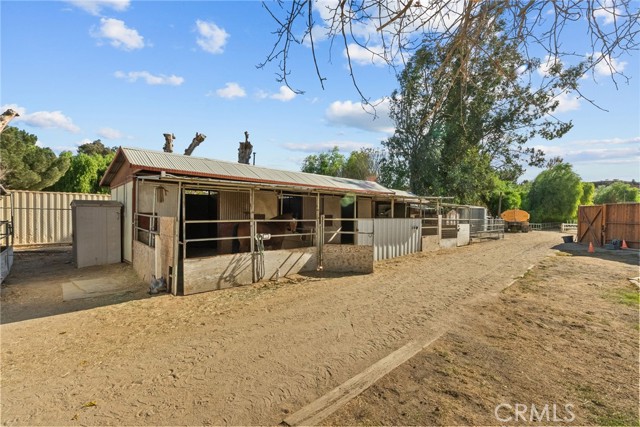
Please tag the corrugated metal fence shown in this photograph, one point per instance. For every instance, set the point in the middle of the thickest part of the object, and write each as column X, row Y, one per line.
column 392, row 237
column 43, row 217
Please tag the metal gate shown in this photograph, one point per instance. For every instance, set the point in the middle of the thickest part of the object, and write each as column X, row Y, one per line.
column 392, row 237
column 591, row 224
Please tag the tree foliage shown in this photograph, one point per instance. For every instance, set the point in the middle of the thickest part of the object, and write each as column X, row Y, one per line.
column 504, row 196
column 588, row 192
column 554, row 195
column 26, row 166
column 328, row 163
column 96, row 148
column 453, row 137
column 86, row 170
column 618, row 192
column 392, row 31
column 363, row 164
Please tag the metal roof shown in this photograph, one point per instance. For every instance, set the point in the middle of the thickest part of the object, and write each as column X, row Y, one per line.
column 178, row 164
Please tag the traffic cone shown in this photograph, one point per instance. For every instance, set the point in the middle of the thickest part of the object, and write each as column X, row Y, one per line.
column 591, row 250
column 624, row 245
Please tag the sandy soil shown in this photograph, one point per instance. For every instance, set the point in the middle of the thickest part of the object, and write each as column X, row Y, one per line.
column 565, row 334
column 247, row 355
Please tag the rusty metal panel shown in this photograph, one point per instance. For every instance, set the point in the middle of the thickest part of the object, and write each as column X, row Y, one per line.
column 42, row 217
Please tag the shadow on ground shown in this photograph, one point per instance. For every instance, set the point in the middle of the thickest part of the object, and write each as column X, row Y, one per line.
column 34, row 288
column 627, row 256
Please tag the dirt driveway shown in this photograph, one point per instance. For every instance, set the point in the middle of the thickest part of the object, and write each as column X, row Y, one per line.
column 242, row 356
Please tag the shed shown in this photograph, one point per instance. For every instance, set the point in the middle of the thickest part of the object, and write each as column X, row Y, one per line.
column 97, row 232
column 200, row 223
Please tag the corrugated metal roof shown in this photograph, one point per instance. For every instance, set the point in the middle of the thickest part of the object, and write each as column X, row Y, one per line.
column 202, row 167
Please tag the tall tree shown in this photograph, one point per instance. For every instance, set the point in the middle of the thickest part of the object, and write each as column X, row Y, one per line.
column 84, row 174
column 588, row 192
column 26, row 166
column 96, row 148
column 618, row 192
column 391, row 31
column 364, row 164
column 452, row 137
column 554, row 195
column 328, row 163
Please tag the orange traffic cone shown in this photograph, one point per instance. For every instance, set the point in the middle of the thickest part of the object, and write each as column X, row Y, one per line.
column 591, row 250
column 624, row 245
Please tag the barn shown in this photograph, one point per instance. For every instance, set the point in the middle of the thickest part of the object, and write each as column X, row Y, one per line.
column 205, row 224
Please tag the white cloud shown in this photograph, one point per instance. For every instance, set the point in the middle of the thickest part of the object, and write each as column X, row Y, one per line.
column 284, row 94
column 609, row 151
column 371, row 55
column 607, row 12
column 43, row 119
column 318, row 147
column 118, row 34
column 94, row 7
column 110, row 133
column 354, row 114
column 149, row 78
column 212, row 38
column 231, row 90
column 567, row 102
column 606, row 65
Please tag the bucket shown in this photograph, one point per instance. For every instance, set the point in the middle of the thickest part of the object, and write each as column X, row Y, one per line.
column 567, row 239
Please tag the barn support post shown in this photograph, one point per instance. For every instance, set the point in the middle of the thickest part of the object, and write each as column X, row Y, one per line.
column 393, row 206
column 317, row 228
column 252, row 233
column 320, row 242
column 176, row 246
column 184, row 225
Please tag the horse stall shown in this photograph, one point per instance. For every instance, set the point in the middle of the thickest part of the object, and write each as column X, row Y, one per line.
column 196, row 224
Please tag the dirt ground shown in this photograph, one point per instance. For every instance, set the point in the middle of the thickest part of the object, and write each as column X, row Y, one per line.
column 563, row 336
column 566, row 333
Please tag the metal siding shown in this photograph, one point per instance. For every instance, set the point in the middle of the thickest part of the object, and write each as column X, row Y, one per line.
column 395, row 237
column 233, row 204
column 199, row 166
column 42, row 217
column 124, row 195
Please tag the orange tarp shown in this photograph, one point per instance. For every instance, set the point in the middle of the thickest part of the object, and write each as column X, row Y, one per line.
column 515, row 215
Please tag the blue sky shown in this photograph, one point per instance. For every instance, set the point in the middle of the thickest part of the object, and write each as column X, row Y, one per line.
column 127, row 72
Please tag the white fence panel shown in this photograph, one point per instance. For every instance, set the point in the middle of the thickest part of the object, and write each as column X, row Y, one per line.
column 394, row 237
column 43, row 217
column 364, row 236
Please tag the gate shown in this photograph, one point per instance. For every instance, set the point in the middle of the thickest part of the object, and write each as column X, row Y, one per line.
column 591, row 224
column 392, row 237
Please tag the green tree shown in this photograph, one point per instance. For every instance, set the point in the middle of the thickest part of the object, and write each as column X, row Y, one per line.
column 588, row 191
column 452, row 138
column 504, row 196
column 84, row 174
column 96, row 148
column 618, row 192
column 330, row 163
column 364, row 164
column 554, row 195
column 26, row 166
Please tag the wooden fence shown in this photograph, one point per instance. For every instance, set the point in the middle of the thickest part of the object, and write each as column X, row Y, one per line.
column 600, row 224
column 42, row 217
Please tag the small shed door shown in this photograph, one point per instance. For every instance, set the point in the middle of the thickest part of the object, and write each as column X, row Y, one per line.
column 591, row 221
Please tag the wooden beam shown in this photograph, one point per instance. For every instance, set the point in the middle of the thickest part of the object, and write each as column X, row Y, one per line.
column 318, row 410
